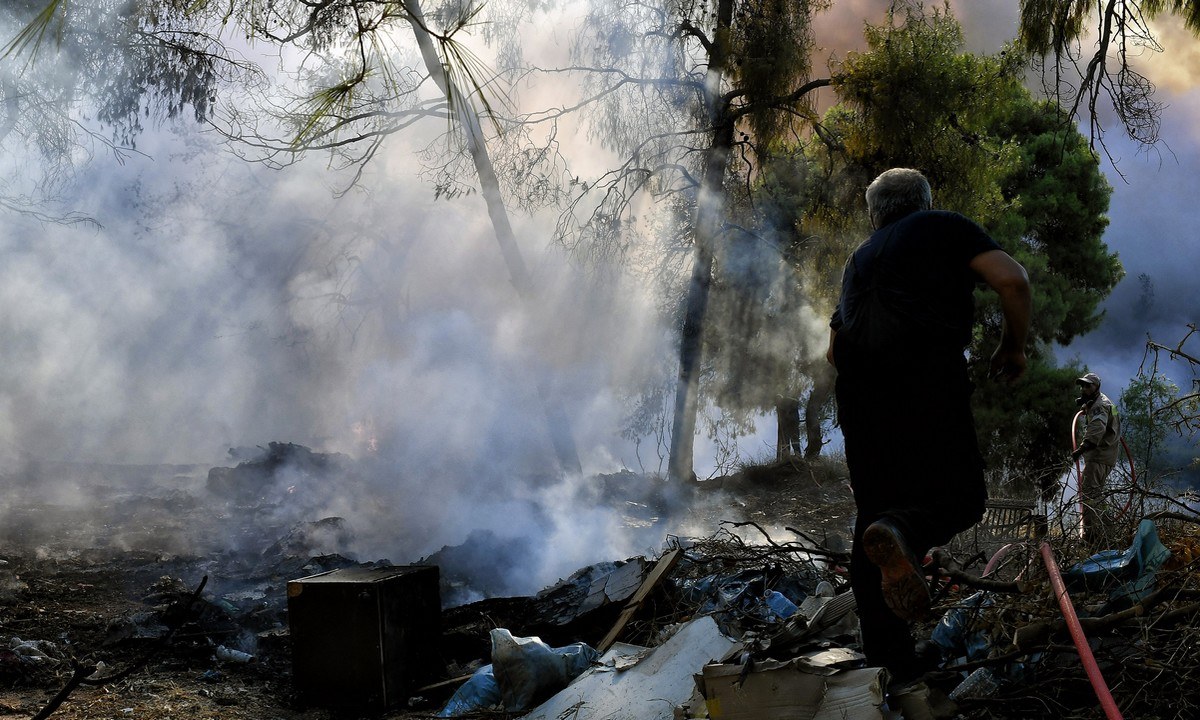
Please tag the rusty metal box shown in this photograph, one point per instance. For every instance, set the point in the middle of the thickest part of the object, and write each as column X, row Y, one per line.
column 364, row 637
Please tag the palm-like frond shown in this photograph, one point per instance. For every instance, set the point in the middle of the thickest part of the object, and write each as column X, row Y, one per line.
column 466, row 71
column 466, row 74
column 32, row 35
column 325, row 103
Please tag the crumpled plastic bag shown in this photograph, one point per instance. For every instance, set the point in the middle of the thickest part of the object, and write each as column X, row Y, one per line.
column 37, row 651
column 529, row 670
column 481, row 692
column 957, row 633
column 1133, row 570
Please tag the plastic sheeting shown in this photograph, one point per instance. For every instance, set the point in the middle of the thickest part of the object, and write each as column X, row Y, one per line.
column 1132, row 571
column 524, row 670
column 648, row 689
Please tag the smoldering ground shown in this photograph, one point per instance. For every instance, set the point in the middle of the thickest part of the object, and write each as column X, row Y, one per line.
column 219, row 304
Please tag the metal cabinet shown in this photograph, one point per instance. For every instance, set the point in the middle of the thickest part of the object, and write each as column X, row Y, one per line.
column 364, row 637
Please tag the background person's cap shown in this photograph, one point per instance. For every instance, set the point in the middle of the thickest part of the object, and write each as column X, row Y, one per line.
column 1089, row 379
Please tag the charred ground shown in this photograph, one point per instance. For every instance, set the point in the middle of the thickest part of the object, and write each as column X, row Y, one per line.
column 154, row 572
column 99, row 576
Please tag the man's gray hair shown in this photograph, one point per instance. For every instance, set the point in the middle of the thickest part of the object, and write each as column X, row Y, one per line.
column 896, row 193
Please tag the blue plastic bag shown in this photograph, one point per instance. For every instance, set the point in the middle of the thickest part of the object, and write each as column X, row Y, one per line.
column 953, row 632
column 528, row 670
column 479, row 693
column 1134, row 570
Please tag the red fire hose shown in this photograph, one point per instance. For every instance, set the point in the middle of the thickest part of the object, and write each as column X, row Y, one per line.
column 1081, row 644
column 1078, row 470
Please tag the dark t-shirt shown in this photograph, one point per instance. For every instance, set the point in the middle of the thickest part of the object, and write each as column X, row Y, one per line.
column 910, row 287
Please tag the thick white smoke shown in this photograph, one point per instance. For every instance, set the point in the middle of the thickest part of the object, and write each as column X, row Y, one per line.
column 224, row 304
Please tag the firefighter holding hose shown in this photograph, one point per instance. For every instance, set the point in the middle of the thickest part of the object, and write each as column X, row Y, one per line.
column 1098, row 451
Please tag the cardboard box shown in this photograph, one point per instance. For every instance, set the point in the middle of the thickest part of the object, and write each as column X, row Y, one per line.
column 799, row 689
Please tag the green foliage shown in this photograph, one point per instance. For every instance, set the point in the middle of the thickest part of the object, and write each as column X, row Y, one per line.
column 1144, row 431
column 917, row 100
column 128, row 60
column 77, row 75
column 772, row 41
column 1056, row 200
column 30, row 38
column 1187, row 10
column 1024, row 429
column 1049, row 26
column 1106, row 72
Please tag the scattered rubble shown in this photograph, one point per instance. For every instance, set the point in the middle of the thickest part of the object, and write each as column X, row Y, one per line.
column 746, row 621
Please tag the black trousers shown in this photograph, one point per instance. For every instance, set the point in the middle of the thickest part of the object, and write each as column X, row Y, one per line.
column 914, row 460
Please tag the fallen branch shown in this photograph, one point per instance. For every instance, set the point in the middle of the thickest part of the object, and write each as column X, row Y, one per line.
column 945, row 564
column 1169, row 515
column 791, row 547
column 1172, row 616
column 78, row 676
column 1030, row 636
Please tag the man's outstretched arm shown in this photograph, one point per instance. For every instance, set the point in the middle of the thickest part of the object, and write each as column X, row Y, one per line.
column 1011, row 283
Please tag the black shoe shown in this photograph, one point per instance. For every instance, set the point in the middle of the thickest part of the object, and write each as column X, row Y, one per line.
column 903, row 584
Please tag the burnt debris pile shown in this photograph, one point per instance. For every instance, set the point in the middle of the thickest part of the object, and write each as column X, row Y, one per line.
column 753, row 618
column 1029, row 622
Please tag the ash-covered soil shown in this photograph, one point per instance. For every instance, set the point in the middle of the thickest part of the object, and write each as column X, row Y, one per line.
column 96, row 578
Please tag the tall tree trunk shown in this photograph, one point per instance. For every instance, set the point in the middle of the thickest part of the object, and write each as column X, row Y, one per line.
column 468, row 118
column 709, row 211
column 11, row 104
column 814, row 409
column 787, row 427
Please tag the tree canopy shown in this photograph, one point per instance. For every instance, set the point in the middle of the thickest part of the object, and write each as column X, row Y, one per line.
column 1055, row 30
column 83, row 76
column 726, row 185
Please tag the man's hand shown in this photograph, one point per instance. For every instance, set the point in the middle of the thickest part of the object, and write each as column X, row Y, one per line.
column 1008, row 364
column 1011, row 283
column 1078, row 453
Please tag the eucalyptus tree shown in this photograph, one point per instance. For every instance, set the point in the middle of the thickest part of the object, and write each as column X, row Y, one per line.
column 85, row 76
column 1056, row 30
column 689, row 92
column 361, row 87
